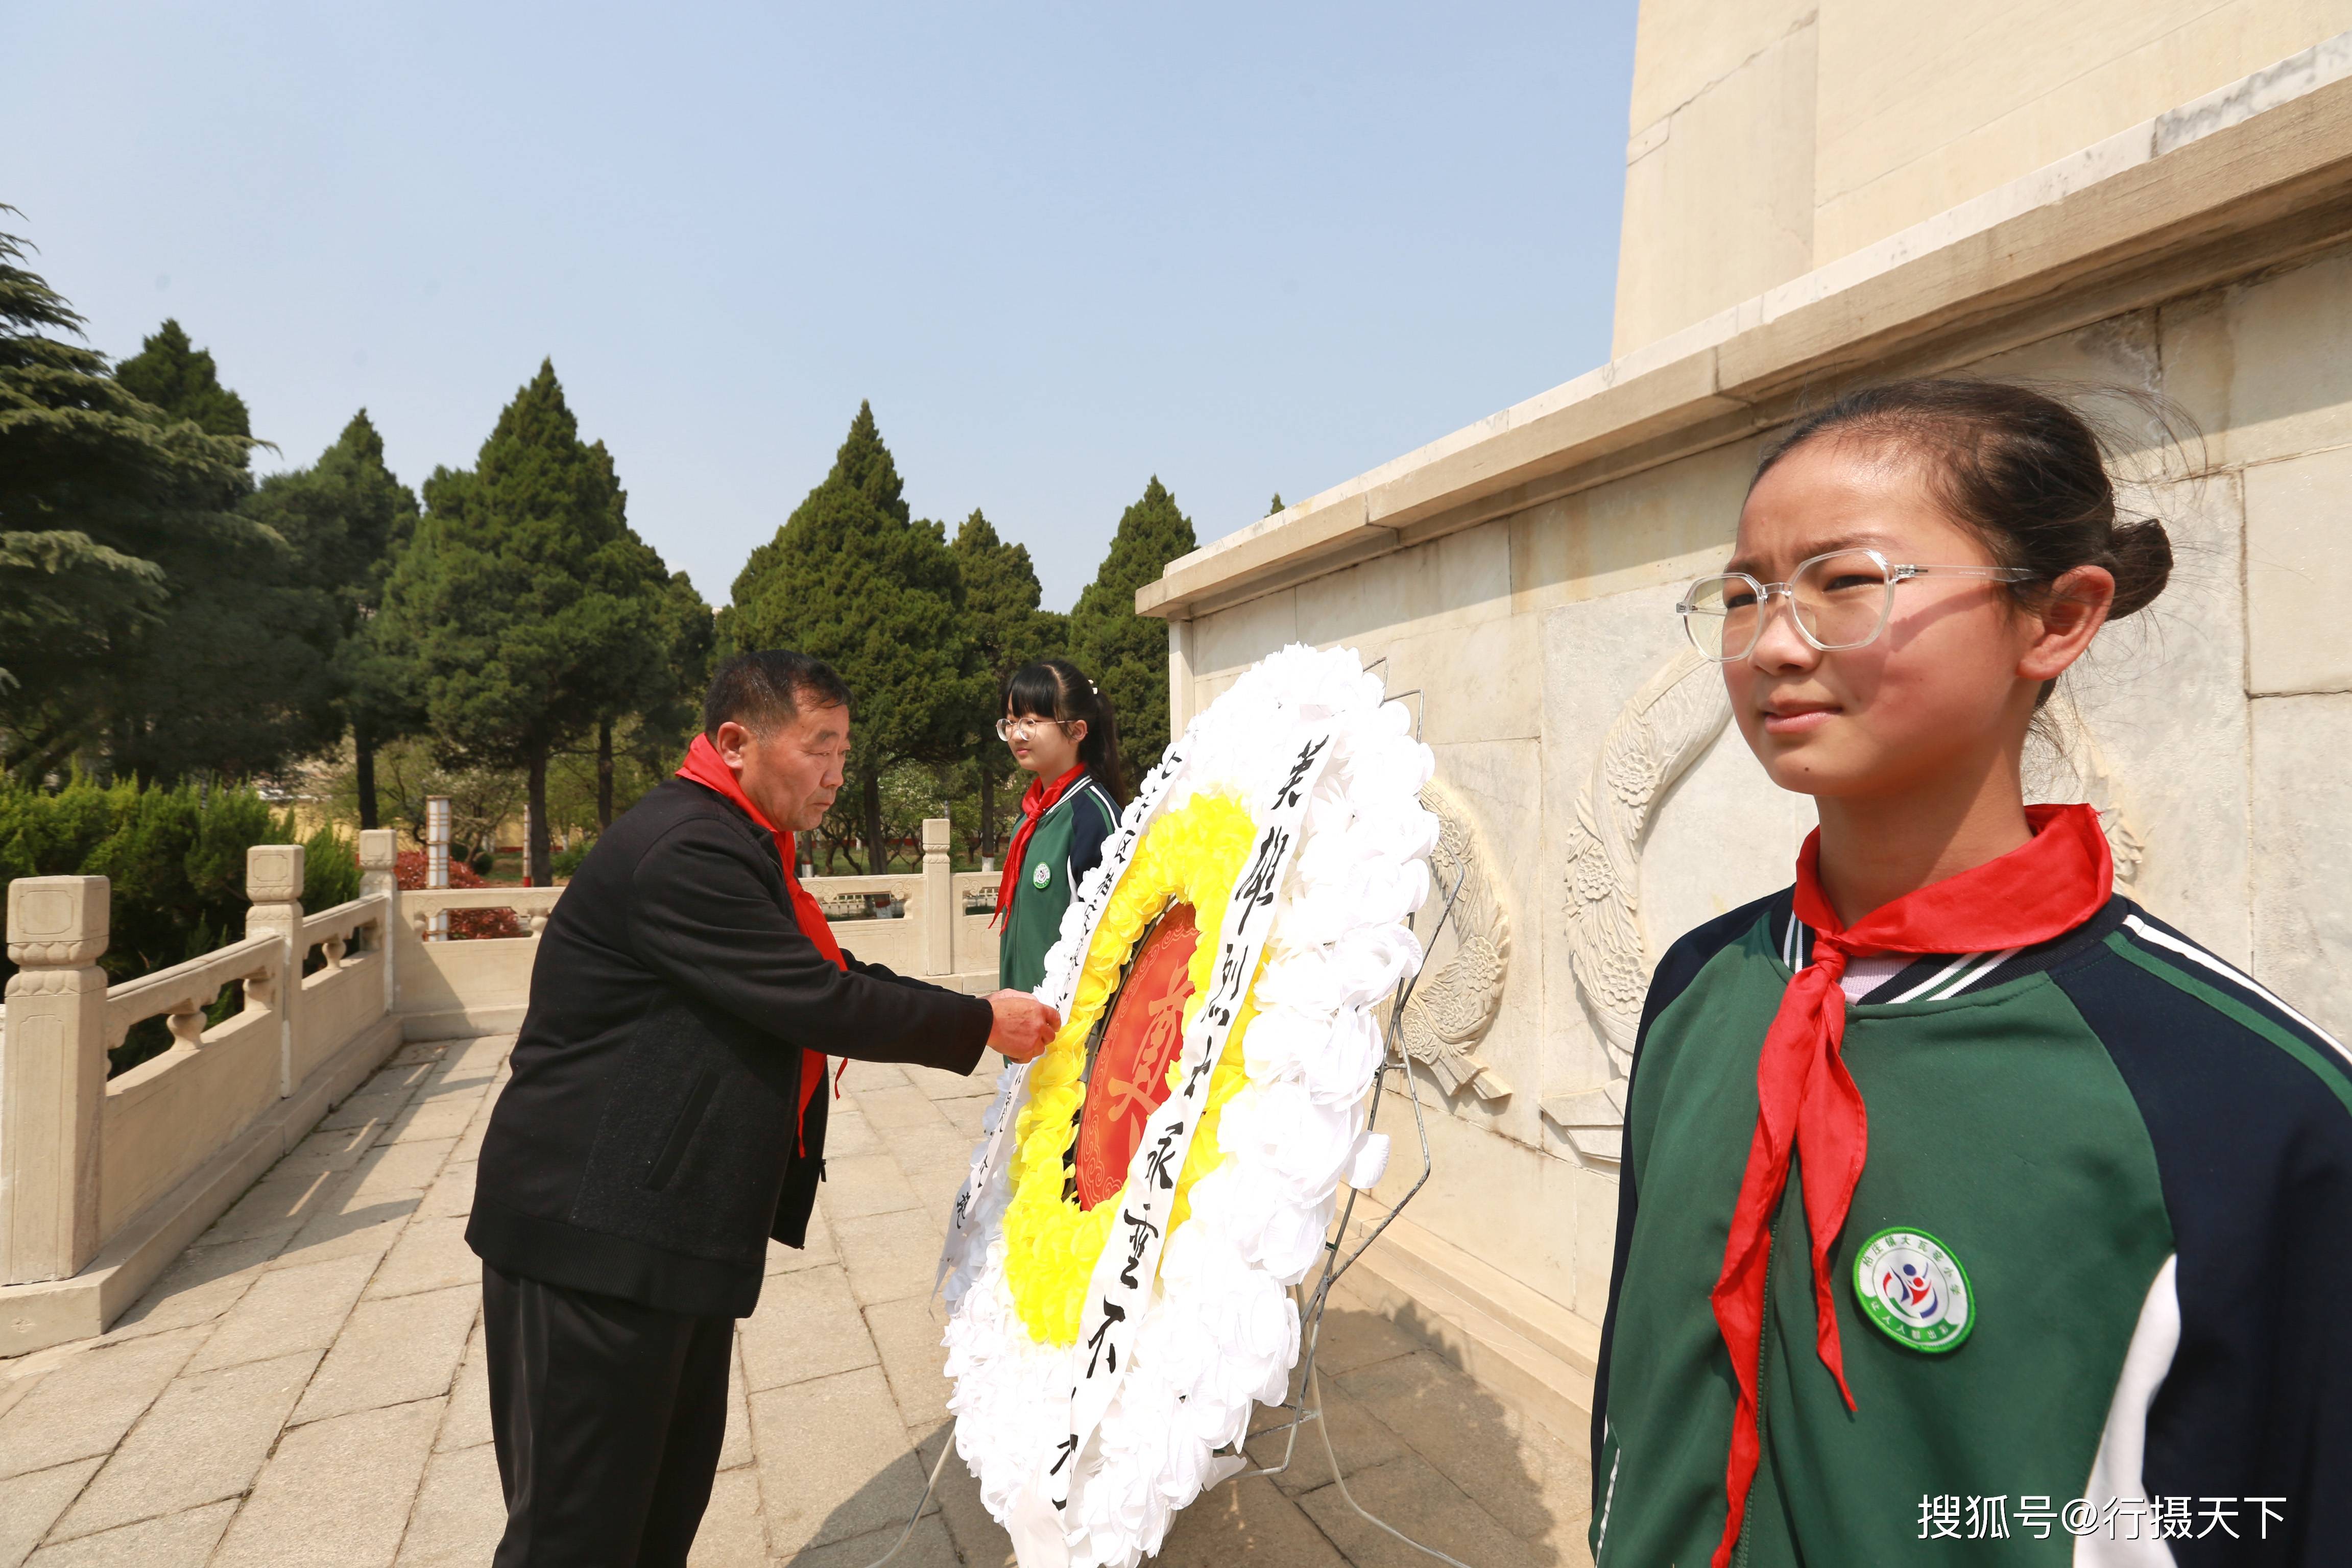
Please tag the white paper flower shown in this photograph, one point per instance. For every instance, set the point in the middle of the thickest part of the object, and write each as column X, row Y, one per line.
column 1221, row 1331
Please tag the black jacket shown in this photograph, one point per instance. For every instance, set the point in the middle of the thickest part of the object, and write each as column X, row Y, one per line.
column 644, row 1147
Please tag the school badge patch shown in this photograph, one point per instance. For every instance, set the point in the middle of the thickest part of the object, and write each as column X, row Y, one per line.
column 1042, row 876
column 1915, row 1289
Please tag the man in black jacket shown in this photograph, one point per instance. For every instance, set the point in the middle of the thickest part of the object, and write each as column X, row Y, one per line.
column 658, row 1129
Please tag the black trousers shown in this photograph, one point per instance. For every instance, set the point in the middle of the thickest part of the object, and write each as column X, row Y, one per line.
column 609, row 1418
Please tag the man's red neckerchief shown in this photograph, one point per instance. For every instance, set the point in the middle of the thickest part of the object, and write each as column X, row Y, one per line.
column 705, row 767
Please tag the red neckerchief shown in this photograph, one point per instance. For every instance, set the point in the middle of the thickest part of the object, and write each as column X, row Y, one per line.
column 705, row 767
column 1035, row 801
column 1807, row 1102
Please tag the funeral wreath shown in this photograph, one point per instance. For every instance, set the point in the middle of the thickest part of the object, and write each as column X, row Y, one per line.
column 1120, row 1263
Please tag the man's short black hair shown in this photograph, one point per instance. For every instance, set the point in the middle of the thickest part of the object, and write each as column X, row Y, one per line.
column 760, row 691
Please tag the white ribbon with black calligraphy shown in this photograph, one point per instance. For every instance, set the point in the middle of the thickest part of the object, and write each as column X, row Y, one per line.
column 1124, row 1274
column 1061, row 981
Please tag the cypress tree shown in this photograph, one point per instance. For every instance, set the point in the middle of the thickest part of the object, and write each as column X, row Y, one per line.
column 1127, row 654
column 853, row 578
column 669, row 710
column 181, row 379
column 346, row 517
column 525, row 602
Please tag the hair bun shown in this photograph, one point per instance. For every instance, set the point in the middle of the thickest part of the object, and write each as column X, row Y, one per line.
column 2141, row 556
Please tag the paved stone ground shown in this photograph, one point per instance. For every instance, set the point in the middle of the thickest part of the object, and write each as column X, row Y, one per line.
column 306, row 1386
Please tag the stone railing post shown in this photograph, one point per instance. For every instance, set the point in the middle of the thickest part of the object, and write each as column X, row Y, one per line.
column 380, row 873
column 52, row 1077
column 436, row 861
column 273, row 881
column 939, row 899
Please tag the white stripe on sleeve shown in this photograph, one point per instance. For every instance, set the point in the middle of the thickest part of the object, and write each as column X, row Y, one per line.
column 2117, row 1469
column 2197, row 955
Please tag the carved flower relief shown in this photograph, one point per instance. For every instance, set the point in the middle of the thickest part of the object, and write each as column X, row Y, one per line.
column 1588, row 873
column 1623, row 979
column 1632, row 775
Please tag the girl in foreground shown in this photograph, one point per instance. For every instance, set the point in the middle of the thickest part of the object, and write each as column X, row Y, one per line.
column 1062, row 730
column 1958, row 1188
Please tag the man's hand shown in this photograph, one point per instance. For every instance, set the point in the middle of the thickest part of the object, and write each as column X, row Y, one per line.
column 1023, row 1024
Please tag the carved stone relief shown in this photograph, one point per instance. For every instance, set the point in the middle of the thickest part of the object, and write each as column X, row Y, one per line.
column 1456, row 1002
column 1673, row 719
column 1670, row 722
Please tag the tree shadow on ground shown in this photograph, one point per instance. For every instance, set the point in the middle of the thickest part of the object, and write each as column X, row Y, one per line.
column 1420, row 1444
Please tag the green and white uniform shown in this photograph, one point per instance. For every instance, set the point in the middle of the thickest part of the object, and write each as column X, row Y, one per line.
column 1066, row 844
column 2135, row 1166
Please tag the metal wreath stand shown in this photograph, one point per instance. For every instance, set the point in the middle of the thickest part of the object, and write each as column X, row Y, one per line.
column 1302, row 1411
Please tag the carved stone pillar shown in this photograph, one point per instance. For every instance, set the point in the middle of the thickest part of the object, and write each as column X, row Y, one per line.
column 380, row 873
column 939, row 899
column 273, row 881
column 52, row 1077
column 436, row 861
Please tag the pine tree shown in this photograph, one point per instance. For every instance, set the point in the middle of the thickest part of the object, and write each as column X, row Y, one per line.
column 853, row 578
column 346, row 517
column 1273, row 506
column 108, row 507
column 526, row 605
column 1005, row 631
column 1127, row 654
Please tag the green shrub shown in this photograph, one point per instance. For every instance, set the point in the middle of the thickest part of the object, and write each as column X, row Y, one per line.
column 565, row 863
column 330, row 871
column 176, row 862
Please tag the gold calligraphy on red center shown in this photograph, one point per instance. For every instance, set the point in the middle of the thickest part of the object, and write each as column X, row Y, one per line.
column 1141, row 1036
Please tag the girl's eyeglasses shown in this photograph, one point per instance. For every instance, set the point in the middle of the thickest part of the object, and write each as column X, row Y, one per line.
column 1021, row 728
column 1840, row 600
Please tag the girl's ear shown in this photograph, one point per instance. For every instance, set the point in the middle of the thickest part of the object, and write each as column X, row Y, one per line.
column 2068, row 619
column 1077, row 732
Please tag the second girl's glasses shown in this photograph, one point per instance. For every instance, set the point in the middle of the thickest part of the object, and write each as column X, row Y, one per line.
column 1840, row 600
column 1020, row 729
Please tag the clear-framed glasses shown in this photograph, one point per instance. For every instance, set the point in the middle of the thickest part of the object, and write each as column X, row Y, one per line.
column 1028, row 724
column 1840, row 600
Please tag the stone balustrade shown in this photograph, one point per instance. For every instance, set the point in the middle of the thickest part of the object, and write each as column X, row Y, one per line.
column 103, row 1181
column 531, row 905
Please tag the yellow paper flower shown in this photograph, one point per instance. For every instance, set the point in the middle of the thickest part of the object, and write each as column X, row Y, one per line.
column 1191, row 855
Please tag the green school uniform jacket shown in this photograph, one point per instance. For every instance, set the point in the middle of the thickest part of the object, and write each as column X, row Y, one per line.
column 2141, row 1162
column 1068, row 844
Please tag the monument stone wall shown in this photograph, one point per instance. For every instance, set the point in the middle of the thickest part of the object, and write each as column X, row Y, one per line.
column 1519, row 577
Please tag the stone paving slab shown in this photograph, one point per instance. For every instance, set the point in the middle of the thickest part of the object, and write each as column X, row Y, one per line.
column 338, row 1493
column 202, row 1441
column 811, row 1328
column 286, row 1309
column 306, row 1386
column 32, row 1502
column 88, row 1403
column 459, row 1512
column 173, row 1540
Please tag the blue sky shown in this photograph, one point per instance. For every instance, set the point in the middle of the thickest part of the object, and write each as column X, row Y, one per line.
column 1060, row 247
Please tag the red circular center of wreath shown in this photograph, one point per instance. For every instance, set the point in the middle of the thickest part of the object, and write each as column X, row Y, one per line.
column 1142, row 1031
